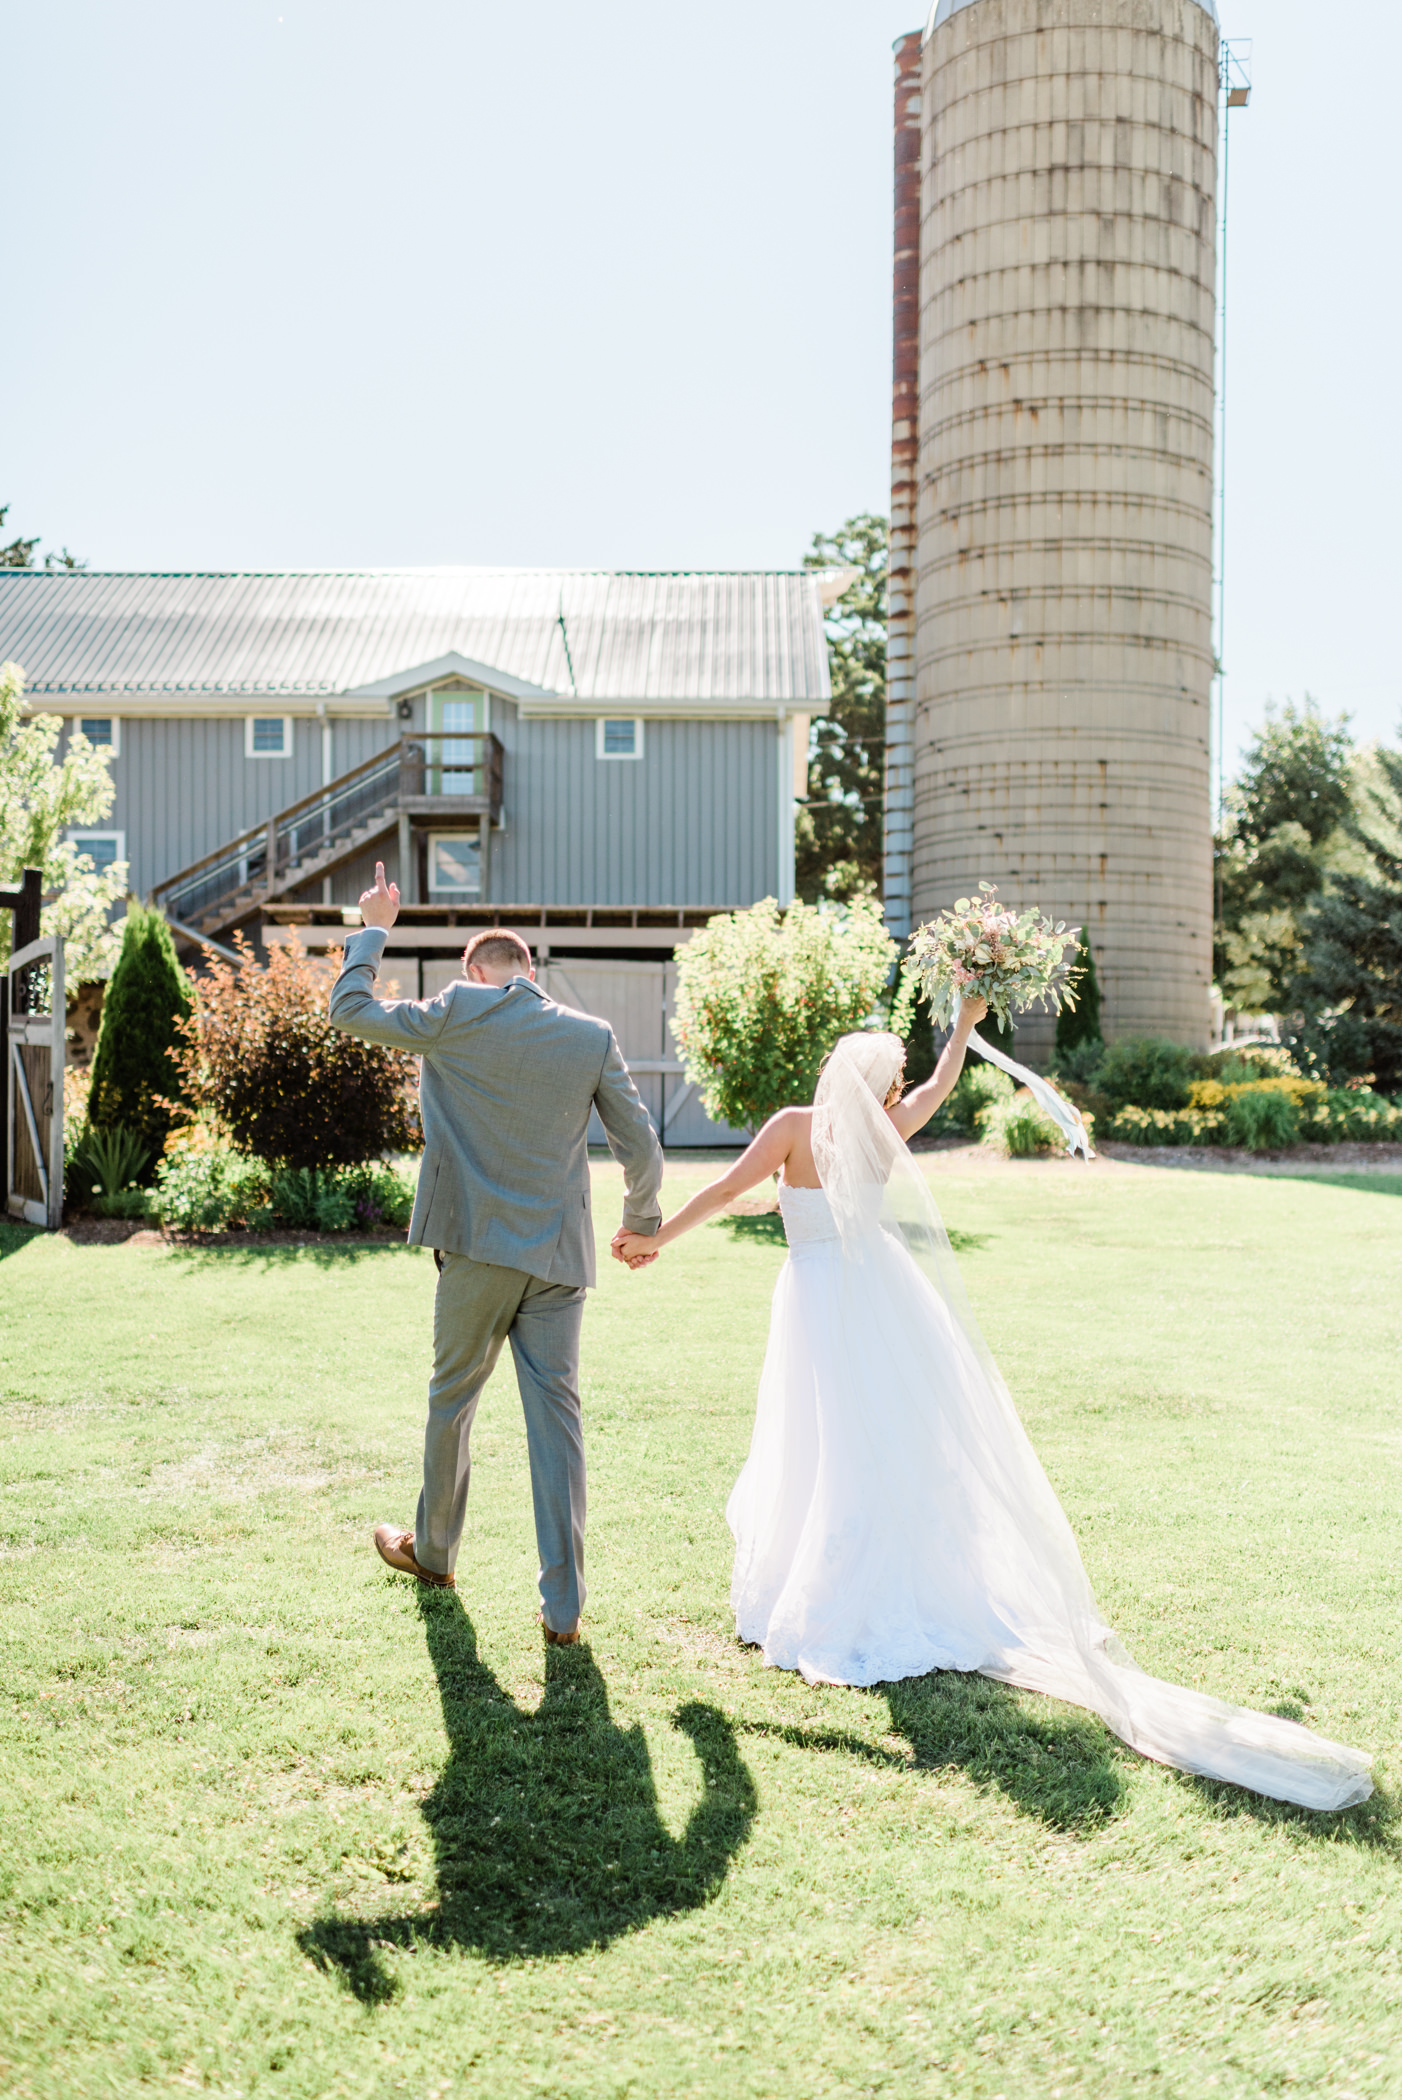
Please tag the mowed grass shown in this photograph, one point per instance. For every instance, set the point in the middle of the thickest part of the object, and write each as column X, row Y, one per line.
column 274, row 1823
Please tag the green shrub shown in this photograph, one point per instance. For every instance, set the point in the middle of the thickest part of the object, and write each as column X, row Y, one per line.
column 313, row 1202
column 381, row 1195
column 763, row 996
column 209, row 1187
column 149, row 996
column 1263, row 1119
column 1080, row 1064
column 1019, row 1128
column 977, row 1088
column 1146, row 1071
column 105, row 1161
column 126, row 1203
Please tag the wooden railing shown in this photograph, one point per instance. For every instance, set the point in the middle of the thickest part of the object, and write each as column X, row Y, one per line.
column 455, row 773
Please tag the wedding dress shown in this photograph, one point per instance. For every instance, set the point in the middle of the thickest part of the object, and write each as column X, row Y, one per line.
column 893, row 1518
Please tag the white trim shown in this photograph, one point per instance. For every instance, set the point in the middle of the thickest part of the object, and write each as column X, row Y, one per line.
column 102, row 715
column 248, row 722
column 601, row 723
column 81, row 838
column 401, row 685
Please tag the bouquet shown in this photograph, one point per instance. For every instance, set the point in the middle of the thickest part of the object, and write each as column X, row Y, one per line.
column 982, row 950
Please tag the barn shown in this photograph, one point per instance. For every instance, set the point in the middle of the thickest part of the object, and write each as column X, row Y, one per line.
column 600, row 760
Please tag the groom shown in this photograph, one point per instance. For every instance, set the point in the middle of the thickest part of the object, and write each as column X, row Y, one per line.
column 508, row 1080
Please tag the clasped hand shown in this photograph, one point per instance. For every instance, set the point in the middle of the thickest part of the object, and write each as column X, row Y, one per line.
column 634, row 1249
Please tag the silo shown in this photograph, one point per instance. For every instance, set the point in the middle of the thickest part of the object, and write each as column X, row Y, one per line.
column 1059, row 730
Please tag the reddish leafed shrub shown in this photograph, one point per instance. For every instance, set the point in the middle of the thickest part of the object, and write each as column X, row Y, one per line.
column 261, row 1057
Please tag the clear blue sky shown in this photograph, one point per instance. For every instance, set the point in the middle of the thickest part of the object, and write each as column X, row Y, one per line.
column 305, row 282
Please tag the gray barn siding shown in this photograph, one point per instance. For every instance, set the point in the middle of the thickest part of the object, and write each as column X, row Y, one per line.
column 694, row 821
column 185, row 787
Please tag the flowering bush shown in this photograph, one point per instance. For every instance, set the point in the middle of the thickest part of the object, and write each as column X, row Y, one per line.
column 42, row 798
column 1168, row 1126
column 1302, row 1109
column 982, row 950
column 763, row 996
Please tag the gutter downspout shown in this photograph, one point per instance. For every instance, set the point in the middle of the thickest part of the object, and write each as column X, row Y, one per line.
column 905, row 449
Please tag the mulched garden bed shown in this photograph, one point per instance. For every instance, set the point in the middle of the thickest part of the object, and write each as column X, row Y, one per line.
column 1324, row 1158
column 87, row 1231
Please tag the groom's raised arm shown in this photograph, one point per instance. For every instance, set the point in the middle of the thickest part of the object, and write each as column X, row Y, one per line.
column 632, row 1141
column 403, row 1024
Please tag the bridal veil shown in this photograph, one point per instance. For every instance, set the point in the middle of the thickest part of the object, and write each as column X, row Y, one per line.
column 1047, row 1632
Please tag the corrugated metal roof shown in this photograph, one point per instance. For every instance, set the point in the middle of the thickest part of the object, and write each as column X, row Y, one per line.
column 707, row 637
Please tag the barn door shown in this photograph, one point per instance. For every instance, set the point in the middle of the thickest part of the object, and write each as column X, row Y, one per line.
column 34, row 1084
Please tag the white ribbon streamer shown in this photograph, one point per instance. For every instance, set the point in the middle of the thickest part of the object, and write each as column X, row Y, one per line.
column 1065, row 1114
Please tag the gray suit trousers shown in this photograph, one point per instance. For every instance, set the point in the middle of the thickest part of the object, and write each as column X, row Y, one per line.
column 477, row 1308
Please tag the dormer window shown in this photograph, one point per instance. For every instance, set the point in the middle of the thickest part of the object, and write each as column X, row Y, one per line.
column 618, row 736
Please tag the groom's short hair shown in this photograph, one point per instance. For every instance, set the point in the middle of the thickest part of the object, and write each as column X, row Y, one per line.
column 498, row 950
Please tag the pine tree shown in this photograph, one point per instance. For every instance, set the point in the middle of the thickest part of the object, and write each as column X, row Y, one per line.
column 148, row 995
column 1287, row 830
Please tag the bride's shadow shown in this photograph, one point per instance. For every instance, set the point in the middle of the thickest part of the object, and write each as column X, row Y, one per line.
column 1050, row 1761
column 1056, row 1763
column 545, row 1825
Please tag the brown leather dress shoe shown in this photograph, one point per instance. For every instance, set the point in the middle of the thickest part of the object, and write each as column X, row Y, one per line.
column 395, row 1547
column 558, row 1640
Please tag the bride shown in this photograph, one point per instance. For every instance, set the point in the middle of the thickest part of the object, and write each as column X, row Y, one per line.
column 892, row 1517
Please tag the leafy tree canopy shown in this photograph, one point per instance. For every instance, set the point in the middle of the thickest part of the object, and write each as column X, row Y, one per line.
column 762, row 997
column 1287, row 830
column 839, row 843
column 19, row 554
column 1349, row 987
column 42, row 797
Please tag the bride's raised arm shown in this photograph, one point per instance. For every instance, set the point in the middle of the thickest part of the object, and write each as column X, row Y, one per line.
column 759, row 1160
column 914, row 1110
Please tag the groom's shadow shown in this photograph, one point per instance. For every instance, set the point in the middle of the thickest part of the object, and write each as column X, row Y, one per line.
column 545, row 1825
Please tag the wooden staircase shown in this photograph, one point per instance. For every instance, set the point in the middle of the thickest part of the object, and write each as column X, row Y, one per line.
column 440, row 777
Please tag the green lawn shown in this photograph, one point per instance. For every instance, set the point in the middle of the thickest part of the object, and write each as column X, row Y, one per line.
column 274, row 1823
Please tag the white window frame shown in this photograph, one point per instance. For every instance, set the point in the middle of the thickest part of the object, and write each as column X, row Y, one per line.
column 248, row 722
column 115, row 747
column 637, row 750
column 456, row 896
column 80, row 839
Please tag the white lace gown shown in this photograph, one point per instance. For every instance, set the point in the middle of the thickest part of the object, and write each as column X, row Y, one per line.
column 893, row 1518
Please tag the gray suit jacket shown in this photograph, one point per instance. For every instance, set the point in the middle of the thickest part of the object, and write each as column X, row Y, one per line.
column 508, row 1081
